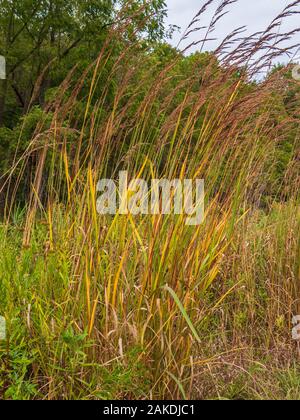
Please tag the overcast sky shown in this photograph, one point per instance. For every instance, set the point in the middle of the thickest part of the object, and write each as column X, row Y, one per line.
column 256, row 14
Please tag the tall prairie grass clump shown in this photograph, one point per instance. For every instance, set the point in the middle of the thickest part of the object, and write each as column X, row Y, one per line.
column 143, row 307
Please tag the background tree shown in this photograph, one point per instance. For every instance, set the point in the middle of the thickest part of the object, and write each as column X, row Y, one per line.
column 45, row 38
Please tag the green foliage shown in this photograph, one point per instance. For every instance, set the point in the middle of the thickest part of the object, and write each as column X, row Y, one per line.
column 17, row 139
column 43, row 40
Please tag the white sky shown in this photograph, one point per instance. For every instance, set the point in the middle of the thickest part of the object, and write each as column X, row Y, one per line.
column 256, row 14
